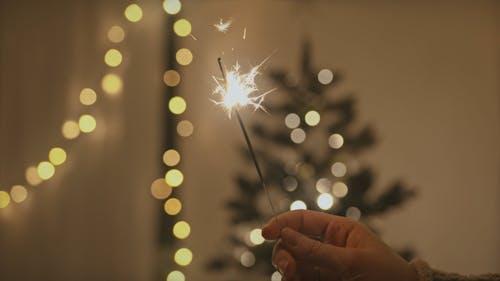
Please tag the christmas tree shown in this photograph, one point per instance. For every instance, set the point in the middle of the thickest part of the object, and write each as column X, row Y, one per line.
column 309, row 161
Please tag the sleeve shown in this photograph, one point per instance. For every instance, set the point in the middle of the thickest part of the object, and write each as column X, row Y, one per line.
column 426, row 273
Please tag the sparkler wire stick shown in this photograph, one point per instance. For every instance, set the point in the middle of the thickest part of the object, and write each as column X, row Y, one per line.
column 250, row 147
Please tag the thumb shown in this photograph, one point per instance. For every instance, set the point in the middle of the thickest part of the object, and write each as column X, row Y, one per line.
column 315, row 252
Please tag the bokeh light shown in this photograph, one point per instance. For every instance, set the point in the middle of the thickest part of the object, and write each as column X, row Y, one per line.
column 312, row 118
column 45, row 170
column 88, row 96
column 353, row 213
column 325, row 201
column 184, row 56
column 182, row 27
column 173, row 206
column 174, row 177
column 4, row 199
column 171, row 157
column 160, row 189
column 276, row 276
column 87, row 123
column 183, row 257
column 113, row 57
column 133, row 13
column 339, row 169
column 181, row 230
column 185, row 128
column 256, row 236
column 171, row 78
column 32, row 177
column 116, row 34
column 336, row 141
column 298, row 135
column 325, row 76
column 290, row 183
column 172, row 7
column 18, row 193
column 177, row 105
column 339, row 189
column 70, row 130
column 176, row 276
column 57, row 156
column 323, row 185
column 112, row 84
column 247, row 259
column 298, row 205
column 292, row 121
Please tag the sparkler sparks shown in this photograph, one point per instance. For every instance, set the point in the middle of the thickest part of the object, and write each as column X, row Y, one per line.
column 223, row 26
column 237, row 89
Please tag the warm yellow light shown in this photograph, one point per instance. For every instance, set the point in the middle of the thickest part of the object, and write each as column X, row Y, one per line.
column 171, row 157
column 45, row 170
column 57, row 156
column 339, row 169
column 88, row 96
column 184, row 56
column 70, row 130
column 113, row 58
column 160, row 189
column 323, row 185
column 176, row 276
column 256, row 236
column 116, row 34
column 276, row 276
column 298, row 135
column 298, row 205
column 133, row 13
column 171, row 78
column 4, row 199
column 292, row 120
column 312, row 118
column 177, row 105
column 174, row 177
column 336, row 141
column 182, row 27
column 185, row 128
column 18, row 193
column 87, row 123
column 183, row 257
column 181, row 230
column 325, row 201
column 172, row 7
column 32, row 176
column 247, row 259
column 325, row 76
column 173, row 206
column 339, row 189
column 112, row 84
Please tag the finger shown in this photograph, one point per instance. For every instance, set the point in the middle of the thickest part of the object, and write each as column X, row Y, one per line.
column 316, row 253
column 308, row 222
column 285, row 263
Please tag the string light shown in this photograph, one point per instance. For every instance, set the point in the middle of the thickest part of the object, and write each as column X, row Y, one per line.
column 312, row 118
column 174, row 177
column 247, row 259
column 160, row 189
column 325, row 201
column 176, row 276
column 292, row 121
column 57, row 156
column 18, row 193
column 70, row 130
column 335, row 141
column 298, row 205
column 87, row 123
column 181, row 230
column 182, row 27
column 323, row 185
column 32, row 176
column 325, row 76
column 256, row 236
column 113, row 58
column 4, row 199
column 173, row 206
column 183, row 257
column 171, row 157
column 177, row 105
column 112, row 84
column 353, row 213
column 276, row 276
column 88, row 96
column 172, row 7
column 116, row 34
column 298, row 135
column 133, row 13
column 339, row 169
column 171, row 78
column 290, row 183
column 45, row 170
column 339, row 189
column 185, row 128
column 184, row 56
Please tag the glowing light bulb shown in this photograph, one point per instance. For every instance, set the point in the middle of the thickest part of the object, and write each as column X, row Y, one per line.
column 160, row 189
column 256, row 236
column 18, row 193
column 133, row 13
column 339, row 189
column 182, row 27
column 70, row 130
column 325, row 76
column 4, row 199
column 172, row 7
column 45, row 170
column 353, row 213
column 88, row 96
column 177, row 105
column 183, row 256
column 298, row 205
column 32, row 176
column 185, row 128
column 184, row 56
column 57, row 156
column 171, row 157
column 116, row 34
column 181, row 230
column 174, row 177
column 339, row 169
column 112, row 84
column 171, row 78
column 335, row 141
column 325, row 201
column 176, row 276
column 312, row 118
column 298, row 135
column 292, row 121
column 247, row 259
column 87, row 123
column 173, row 206
column 113, row 57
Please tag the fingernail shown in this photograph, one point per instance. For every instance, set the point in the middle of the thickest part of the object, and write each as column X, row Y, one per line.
column 288, row 237
column 282, row 264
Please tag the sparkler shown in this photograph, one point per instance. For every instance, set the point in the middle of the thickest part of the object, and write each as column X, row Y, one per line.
column 223, row 26
column 237, row 92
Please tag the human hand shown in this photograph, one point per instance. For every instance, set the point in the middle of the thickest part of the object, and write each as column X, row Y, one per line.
column 345, row 250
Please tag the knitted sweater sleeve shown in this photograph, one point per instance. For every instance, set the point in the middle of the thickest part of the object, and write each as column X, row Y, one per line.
column 426, row 273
